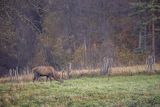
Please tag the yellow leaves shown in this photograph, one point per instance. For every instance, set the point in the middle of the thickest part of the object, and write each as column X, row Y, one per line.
column 79, row 54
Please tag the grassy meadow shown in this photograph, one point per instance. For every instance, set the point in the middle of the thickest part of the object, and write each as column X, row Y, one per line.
column 99, row 91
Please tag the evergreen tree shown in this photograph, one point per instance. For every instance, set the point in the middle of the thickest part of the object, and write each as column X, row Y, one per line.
column 148, row 13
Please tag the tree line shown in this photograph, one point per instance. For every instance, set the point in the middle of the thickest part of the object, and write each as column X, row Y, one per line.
column 58, row 32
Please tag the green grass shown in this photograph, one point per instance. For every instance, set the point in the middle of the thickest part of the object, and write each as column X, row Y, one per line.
column 118, row 91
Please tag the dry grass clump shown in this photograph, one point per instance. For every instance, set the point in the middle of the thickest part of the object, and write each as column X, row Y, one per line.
column 133, row 69
column 126, row 70
column 19, row 78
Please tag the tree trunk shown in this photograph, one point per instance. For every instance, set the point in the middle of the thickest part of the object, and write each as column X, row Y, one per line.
column 153, row 42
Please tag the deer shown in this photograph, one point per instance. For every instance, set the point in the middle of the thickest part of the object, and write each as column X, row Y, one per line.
column 47, row 71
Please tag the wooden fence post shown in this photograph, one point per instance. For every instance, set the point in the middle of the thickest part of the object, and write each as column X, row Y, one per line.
column 150, row 63
column 17, row 74
column 69, row 69
column 106, row 66
column 110, row 66
column 63, row 74
column 10, row 74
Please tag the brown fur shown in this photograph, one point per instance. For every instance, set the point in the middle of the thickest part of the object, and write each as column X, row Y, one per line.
column 47, row 71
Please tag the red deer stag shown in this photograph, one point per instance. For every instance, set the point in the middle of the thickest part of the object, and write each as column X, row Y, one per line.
column 47, row 71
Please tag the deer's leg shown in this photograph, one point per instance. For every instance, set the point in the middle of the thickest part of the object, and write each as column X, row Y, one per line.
column 38, row 76
column 47, row 78
column 50, row 77
column 35, row 77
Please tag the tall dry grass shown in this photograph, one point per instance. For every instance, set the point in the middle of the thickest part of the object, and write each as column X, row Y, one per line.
column 126, row 70
column 21, row 78
column 123, row 70
column 133, row 69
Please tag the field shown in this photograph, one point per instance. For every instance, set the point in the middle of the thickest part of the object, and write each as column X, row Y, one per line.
column 115, row 91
